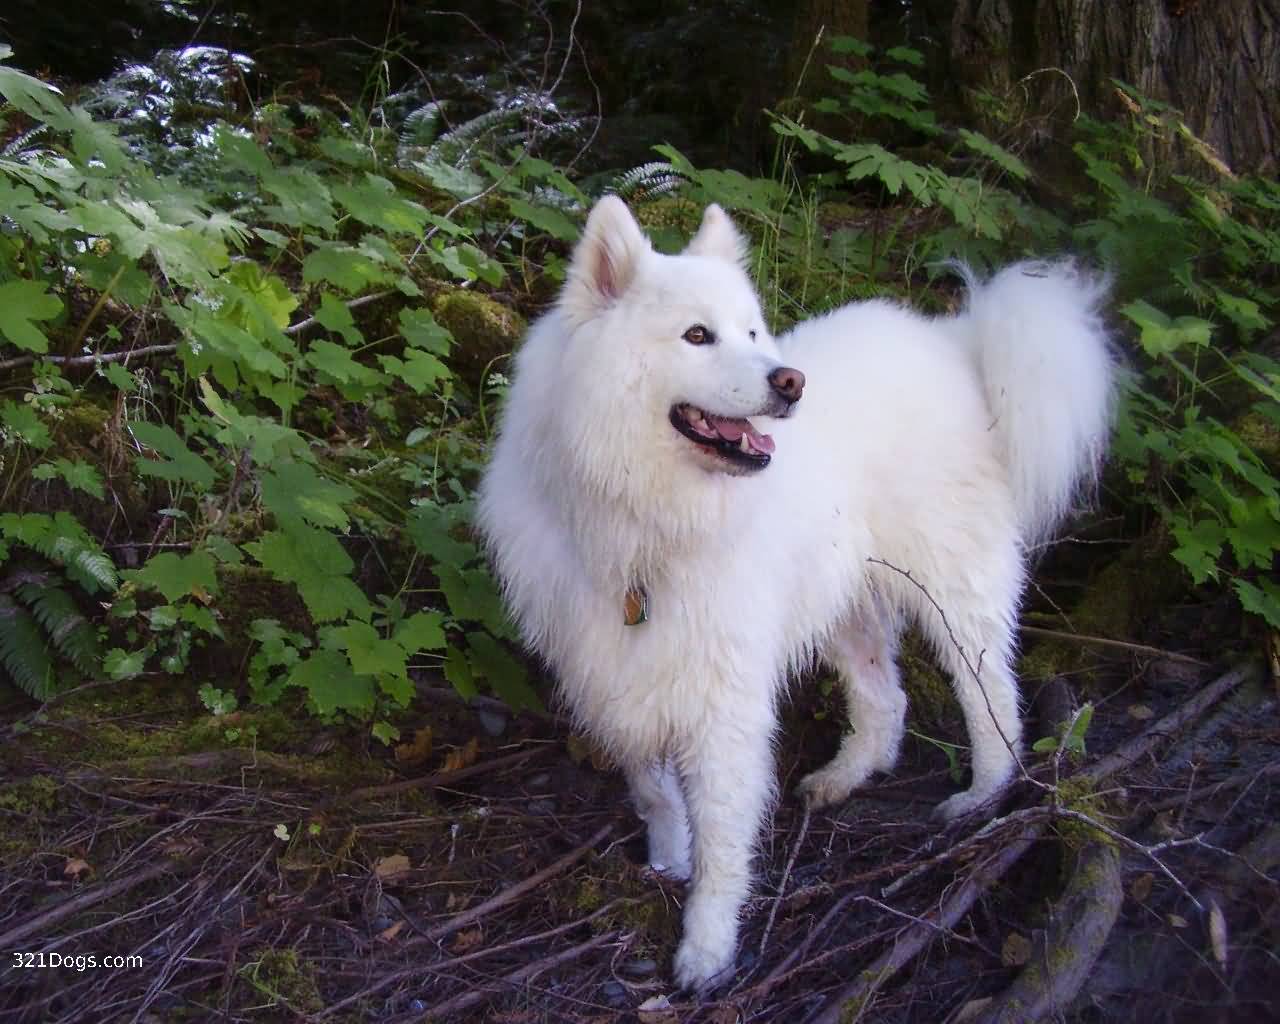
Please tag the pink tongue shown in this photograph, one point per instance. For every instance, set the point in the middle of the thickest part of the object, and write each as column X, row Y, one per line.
column 732, row 430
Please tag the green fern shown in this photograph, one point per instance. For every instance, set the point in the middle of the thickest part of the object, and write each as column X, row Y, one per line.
column 62, row 539
column 23, row 651
column 422, row 125
column 69, row 631
column 648, row 181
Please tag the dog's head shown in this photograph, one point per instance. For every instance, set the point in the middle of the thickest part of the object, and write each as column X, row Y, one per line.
column 680, row 339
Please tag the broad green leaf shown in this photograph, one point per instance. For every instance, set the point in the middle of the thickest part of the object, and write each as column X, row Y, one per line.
column 1162, row 334
column 23, row 421
column 179, row 465
column 267, row 440
column 545, row 218
column 177, row 576
column 370, row 652
column 1199, row 547
column 1261, row 598
column 506, row 676
column 304, row 198
column 420, row 370
column 473, row 597
column 333, row 315
column 458, row 671
column 332, row 685
column 258, row 299
column 21, row 204
column 241, row 152
column 419, row 328
column 344, row 266
column 33, row 97
column 317, row 565
column 431, row 527
column 906, row 55
column 423, row 631
column 848, row 44
column 21, row 304
column 295, row 492
column 78, row 474
column 374, row 201
column 121, row 664
column 1244, row 313
column 336, row 361
column 399, row 688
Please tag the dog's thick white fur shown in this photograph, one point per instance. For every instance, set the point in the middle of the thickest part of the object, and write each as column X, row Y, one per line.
column 922, row 461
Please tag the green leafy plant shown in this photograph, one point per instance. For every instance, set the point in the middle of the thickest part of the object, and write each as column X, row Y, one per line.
column 255, row 274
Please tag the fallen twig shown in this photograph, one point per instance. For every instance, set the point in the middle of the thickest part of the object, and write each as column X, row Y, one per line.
column 1128, row 753
column 1102, row 641
column 67, row 908
column 439, row 778
column 782, row 885
column 441, row 966
column 511, row 893
column 914, row 938
column 482, row 991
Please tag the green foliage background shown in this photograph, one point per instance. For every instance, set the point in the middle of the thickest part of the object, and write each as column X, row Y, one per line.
column 250, row 370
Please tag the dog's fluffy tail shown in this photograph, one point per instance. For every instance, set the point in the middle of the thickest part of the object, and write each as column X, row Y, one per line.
column 1035, row 333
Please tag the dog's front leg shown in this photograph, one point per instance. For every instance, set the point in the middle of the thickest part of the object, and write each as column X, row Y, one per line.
column 655, row 790
column 728, row 780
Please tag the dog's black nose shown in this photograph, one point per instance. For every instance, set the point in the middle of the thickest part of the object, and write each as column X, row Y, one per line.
column 788, row 383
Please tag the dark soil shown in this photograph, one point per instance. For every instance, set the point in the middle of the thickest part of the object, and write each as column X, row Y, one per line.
column 259, row 872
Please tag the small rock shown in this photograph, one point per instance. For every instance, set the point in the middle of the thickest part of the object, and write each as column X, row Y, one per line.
column 544, row 805
column 539, row 781
column 381, row 923
column 640, row 968
column 494, row 723
column 614, row 994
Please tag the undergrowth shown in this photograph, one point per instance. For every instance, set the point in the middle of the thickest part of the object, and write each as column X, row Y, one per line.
column 261, row 318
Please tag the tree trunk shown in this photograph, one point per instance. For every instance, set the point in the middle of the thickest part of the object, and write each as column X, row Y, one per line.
column 817, row 21
column 1218, row 61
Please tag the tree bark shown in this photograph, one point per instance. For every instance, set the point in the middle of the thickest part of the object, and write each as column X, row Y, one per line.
column 1218, row 61
column 817, row 21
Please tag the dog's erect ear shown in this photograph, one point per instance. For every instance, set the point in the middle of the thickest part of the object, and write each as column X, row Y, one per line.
column 717, row 238
column 606, row 258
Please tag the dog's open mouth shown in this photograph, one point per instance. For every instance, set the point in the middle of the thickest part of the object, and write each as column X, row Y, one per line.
column 735, row 440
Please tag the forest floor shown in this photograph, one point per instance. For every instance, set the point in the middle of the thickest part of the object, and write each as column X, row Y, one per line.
column 490, row 868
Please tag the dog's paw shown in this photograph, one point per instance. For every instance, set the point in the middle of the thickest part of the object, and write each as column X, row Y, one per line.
column 678, row 872
column 962, row 804
column 700, row 966
column 825, row 787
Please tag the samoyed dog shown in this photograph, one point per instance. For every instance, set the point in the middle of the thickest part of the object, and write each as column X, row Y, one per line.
column 683, row 511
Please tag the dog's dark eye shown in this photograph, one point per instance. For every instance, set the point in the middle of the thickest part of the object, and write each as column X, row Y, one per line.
column 699, row 335
column 751, row 335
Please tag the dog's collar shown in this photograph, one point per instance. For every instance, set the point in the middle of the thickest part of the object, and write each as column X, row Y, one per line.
column 635, row 607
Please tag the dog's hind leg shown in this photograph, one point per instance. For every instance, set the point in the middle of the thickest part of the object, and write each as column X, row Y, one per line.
column 864, row 655
column 975, row 646
column 655, row 790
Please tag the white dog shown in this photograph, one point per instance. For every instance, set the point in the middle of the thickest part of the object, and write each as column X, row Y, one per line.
column 672, row 563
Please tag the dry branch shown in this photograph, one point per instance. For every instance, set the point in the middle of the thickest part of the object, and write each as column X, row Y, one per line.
column 512, row 893
column 1064, row 956
column 67, row 908
column 440, row 778
column 1128, row 753
column 910, row 941
column 483, row 991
